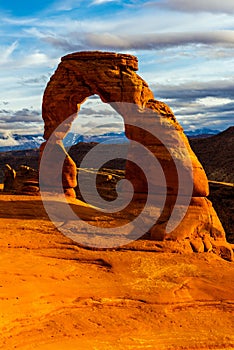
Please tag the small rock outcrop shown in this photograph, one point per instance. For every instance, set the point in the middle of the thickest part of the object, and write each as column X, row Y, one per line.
column 24, row 180
column 113, row 77
column 9, row 178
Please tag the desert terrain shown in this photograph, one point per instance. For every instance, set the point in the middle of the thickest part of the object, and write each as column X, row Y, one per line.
column 116, row 209
column 57, row 295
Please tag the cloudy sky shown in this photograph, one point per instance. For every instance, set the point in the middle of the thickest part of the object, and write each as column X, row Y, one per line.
column 185, row 50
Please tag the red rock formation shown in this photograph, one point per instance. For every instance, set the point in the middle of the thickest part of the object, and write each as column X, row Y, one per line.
column 113, row 77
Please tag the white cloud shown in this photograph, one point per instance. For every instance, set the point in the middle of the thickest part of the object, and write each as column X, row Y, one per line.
column 214, row 101
column 146, row 41
column 37, row 58
column 7, row 139
column 100, row 2
column 68, row 5
column 6, row 52
column 18, row 21
column 214, row 6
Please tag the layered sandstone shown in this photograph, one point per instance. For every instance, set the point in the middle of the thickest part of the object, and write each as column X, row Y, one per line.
column 113, row 77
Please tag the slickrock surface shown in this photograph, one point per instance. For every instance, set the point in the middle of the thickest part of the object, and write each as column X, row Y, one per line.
column 55, row 295
column 112, row 76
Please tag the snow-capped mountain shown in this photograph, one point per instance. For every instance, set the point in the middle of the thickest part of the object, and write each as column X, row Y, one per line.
column 204, row 132
column 110, row 138
column 13, row 142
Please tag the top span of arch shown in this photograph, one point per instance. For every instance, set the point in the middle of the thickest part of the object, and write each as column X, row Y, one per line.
column 111, row 76
column 115, row 58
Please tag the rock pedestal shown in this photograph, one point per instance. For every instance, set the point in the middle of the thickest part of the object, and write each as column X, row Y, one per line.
column 150, row 122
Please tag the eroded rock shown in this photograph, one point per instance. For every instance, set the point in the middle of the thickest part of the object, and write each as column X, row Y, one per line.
column 113, row 77
column 23, row 180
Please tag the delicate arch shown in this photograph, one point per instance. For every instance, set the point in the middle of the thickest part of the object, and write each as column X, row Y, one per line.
column 113, row 78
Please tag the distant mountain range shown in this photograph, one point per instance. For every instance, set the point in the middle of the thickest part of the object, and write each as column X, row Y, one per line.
column 204, row 132
column 110, row 137
column 14, row 142
column 17, row 142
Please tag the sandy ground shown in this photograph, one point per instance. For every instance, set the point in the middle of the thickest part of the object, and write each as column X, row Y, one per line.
column 55, row 295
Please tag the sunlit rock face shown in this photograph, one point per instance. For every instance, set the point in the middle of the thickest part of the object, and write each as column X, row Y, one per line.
column 113, row 77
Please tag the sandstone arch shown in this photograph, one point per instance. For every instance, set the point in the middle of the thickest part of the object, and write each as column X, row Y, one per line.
column 113, row 77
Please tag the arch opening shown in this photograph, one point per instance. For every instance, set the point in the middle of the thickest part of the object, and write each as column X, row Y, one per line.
column 97, row 122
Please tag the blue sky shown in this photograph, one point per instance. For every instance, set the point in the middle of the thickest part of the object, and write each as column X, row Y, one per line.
column 185, row 51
